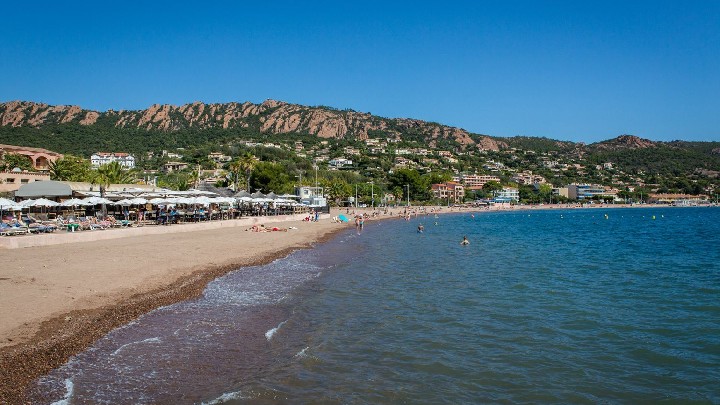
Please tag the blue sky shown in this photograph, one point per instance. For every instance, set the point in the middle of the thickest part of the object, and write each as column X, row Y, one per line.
column 569, row 70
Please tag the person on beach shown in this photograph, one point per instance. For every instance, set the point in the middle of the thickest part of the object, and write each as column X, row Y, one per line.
column 465, row 241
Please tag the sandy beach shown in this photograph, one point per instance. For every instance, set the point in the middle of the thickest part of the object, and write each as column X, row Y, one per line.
column 57, row 299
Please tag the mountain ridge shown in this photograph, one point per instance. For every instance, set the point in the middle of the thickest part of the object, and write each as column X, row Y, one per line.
column 279, row 117
column 270, row 116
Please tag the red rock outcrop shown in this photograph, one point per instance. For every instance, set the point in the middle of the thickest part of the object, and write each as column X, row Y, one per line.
column 275, row 117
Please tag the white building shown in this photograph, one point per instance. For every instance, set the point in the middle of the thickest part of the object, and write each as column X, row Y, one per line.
column 586, row 191
column 507, row 194
column 340, row 162
column 219, row 157
column 126, row 160
column 313, row 196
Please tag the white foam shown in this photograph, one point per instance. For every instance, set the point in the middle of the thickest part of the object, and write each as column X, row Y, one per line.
column 148, row 340
column 69, row 388
column 224, row 398
column 269, row 334
column 303, row 352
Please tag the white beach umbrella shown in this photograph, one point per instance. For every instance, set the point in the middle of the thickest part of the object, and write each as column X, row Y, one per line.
column 95, row 201
column 26, row 203
column 71, row 202
column 101, row 200
column 138, row 201
column 4, row 202
column 123, row 202
column 9, row 205
column 183, row 200
column 158, row 200
column 40, row 202
column 201, row 200
column 221, row 200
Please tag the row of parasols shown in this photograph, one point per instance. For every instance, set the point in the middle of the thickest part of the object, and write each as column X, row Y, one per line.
column 9, row 205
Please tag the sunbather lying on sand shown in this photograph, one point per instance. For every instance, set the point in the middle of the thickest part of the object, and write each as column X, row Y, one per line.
column 262, row 228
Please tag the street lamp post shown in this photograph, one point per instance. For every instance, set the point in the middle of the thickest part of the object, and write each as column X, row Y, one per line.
column 316, row 178
column 408, row 194
column 372, row 194
column 356, row 196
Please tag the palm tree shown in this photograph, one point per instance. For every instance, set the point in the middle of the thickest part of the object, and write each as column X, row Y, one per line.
column 235, row 168
column 111, row 173
column 69, row 168
column 194, row 177
column 247, row 163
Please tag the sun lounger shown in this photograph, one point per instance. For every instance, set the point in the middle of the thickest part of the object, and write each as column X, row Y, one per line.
column 7, row 230
column 35, row 225
column 14, row 228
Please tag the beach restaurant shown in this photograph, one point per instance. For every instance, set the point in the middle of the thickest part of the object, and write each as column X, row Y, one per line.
column 139, row 202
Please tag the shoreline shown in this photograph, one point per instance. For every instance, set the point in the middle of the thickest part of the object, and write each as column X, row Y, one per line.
column 34, row 348
column 34, row 345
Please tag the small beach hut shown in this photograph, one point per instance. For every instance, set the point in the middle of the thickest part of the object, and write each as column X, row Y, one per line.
column 44, row 189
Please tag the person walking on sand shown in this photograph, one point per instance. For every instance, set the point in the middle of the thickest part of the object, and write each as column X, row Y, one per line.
column 465, row 241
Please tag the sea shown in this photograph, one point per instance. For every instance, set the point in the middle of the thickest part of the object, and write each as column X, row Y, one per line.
column 611, row 306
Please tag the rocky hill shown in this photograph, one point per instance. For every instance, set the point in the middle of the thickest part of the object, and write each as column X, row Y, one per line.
column 625, row 142
column 269, row 117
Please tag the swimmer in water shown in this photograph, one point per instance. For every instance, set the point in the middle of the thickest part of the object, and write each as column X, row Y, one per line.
column 465, row 241
column 421, row 228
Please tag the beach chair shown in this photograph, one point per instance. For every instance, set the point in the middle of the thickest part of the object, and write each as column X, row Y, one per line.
column 37, row 226
column 7, row 230
column 93, row 224
column 14, row 228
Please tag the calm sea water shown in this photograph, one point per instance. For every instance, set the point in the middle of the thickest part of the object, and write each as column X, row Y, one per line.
column 542, row 307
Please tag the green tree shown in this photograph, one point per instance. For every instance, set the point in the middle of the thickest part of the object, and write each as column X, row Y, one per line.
column 492, row 186
column 70, row 168
column 409, row 178
column 248, row 162
column 111, row 173
column 545, row 192
column 234, row 169
column 337, row 190
column 176, row 181
column 270, row 176
column 13, row 160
